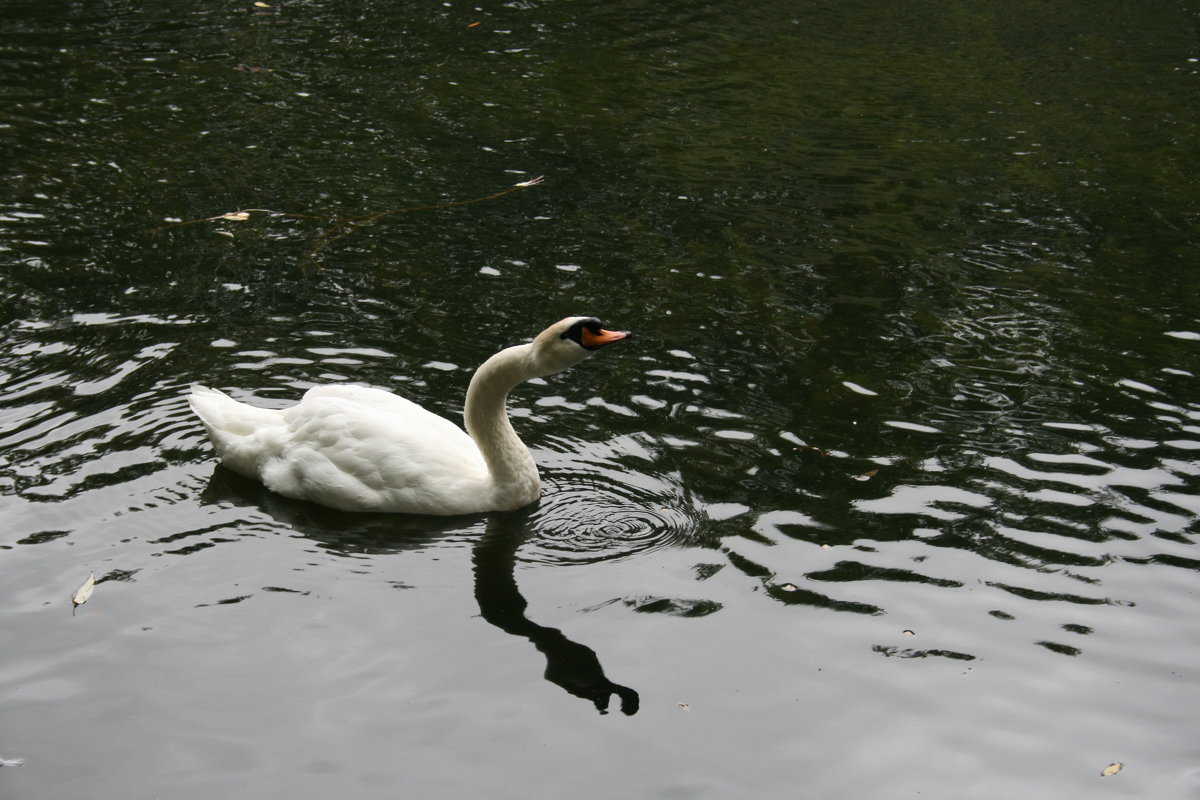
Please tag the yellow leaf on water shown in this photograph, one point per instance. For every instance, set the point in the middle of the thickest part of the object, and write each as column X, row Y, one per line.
column 236, row 216
column 261, row 5
column 85, row 591
column 1111, row 769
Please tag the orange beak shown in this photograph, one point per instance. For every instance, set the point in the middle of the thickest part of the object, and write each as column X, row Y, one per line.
column 603, row 337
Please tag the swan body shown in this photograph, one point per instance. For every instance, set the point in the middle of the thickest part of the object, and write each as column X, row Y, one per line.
column 359, row 449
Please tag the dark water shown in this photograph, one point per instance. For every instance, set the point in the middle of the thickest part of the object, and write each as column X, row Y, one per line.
column 895, row 492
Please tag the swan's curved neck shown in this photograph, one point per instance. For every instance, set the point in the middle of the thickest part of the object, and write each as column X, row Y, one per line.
column 514, row 474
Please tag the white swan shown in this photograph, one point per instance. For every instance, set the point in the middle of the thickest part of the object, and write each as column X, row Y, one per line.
column 359, row 449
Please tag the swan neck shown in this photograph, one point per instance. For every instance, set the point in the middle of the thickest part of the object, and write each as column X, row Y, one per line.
column 512, row 469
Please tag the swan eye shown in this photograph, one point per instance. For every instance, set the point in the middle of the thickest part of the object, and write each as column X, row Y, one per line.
column 588, row 334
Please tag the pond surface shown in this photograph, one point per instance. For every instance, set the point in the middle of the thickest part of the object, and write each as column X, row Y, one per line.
column 893, row 492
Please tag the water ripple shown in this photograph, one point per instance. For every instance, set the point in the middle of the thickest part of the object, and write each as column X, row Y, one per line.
column 603, row 501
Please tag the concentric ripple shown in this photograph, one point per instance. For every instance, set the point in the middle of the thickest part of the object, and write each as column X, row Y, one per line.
column 601, row 501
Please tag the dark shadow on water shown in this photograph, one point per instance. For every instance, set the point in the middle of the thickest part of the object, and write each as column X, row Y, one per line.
column 340, row 532
column 570, row 665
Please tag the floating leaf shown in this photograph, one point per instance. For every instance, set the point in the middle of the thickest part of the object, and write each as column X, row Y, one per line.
column 85, row 591
column 909, row 633
column 236, row 216
column 473, row 24
column 1111, row 769
column 531, row 181
column 866, row 476
column 259, row 4
column 788, row 587
column 225, row 233
column 684, row 706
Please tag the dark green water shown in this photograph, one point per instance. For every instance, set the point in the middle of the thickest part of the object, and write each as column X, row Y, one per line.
column 894, row 492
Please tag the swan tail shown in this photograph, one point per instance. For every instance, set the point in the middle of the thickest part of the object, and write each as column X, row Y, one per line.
column 238, row 431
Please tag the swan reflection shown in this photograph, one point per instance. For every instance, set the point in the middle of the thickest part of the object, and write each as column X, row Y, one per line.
column 573, row 666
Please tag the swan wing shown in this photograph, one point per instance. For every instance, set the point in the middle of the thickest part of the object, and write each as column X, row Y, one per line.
column 357, row 448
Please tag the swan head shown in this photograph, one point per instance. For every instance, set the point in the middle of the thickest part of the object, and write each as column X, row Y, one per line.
column 569, row 341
